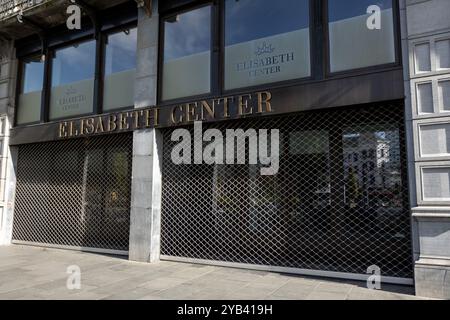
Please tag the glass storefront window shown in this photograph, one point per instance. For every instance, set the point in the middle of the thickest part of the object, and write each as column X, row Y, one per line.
column 120, row 69
column 29, row 109
column 266, row 41
column 353, row 44
column 73, row 73
column 187, row 54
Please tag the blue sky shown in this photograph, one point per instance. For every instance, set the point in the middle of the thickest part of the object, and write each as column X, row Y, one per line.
column 121, row 52
column 247, row 20
column 74, row 63
column 33, row 77
column 190, row 34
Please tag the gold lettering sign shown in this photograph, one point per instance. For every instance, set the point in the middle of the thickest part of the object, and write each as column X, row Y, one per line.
column 244, row 109
column 210, row 110
column 205, row 110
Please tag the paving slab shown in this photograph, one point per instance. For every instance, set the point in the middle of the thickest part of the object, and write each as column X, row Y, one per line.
column 41, row 273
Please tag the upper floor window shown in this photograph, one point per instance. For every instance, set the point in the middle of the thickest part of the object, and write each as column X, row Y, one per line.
column 73, row 77
column 187, row 54
column 30, row 95
column 120, row 70
column 266, row 41
column 353, row 45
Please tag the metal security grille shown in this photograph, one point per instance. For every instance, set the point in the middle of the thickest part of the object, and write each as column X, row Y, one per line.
column 75, row 193
column 339, row 202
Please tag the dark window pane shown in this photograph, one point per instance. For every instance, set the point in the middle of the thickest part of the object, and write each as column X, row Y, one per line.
column 353, row 44
column 266, row 41
column 29, row 108
column 120, row 69
column 187, row 54
column 73, row 72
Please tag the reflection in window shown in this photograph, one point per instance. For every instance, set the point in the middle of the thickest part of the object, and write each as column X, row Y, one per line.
column 120, row 69
column 352, row 44
column 29, row 109
column 266, row 41
column 187, row 54
column 73, row 71
column 379, row 186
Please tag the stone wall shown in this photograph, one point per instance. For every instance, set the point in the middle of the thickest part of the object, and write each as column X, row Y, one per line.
column 426, row 48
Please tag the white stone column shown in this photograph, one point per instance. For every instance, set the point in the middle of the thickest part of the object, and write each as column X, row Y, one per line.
column 147, row 149
column 426, row 52
column 8, row 72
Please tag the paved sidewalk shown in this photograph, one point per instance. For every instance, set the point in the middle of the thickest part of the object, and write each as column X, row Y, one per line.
column 37, row 273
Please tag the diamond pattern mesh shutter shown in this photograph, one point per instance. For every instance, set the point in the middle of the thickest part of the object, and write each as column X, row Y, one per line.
column 75, row 193
column 339, row 202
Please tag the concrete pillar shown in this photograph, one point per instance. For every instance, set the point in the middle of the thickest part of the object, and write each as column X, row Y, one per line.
column 8, row 157
column 147, row 149
column 8, row 70
column 426, row 54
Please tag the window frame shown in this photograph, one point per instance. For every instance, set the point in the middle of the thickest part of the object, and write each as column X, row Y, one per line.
column 218, row 53
column 319, row 56
column 277, row 84
column 213, row 51
column 19, row 84
column 63, row 40
column 49, row 61
column 319, row 51
column 364, row 70
column 105, row 34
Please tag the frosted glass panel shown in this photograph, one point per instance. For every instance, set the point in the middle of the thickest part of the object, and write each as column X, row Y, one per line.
column 443, row 54
column 352, row 44
column 425, row 98
column 258, row 53
column 73, row 71
column 119, row 90
column 120, row 70
column 422, row 57
column 29, row 109
column 435, row 140
column 436, row 184
column 444, row 95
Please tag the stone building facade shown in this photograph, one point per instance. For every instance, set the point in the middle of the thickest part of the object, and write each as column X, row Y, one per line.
column 324, row 214
column 426, row 50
